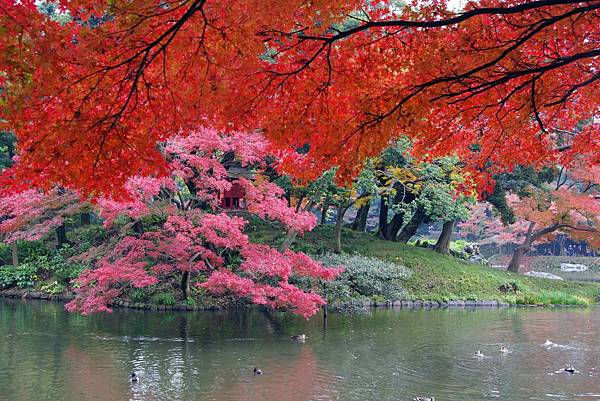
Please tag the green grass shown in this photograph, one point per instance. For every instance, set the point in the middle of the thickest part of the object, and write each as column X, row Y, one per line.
column 438, row 277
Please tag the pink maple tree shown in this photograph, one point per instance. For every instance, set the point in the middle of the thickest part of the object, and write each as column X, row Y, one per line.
column 30, row 215
column 570, row 205
column 485, row 227
column 198, row 239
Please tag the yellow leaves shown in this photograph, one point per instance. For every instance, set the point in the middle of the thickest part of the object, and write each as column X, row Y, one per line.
column 401, row 174
column 362, row 201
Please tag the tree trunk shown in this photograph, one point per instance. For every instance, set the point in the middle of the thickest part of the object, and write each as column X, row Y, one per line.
column 138, row 227
column 15, row 253
column 289, row 238
column 443, row 243
column 299, row 204
column 185, row 285
column 530, row 238
column 383, row 215
column 291, row 234
column 61, row 235
column 360, row 222
column 517, row 258
column 394, row 227
column 86, row 218
column 324, row 214
column 412, row 226
column 339, row 222
column 561, row 245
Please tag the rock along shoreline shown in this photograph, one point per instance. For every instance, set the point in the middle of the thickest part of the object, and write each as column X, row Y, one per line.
column 406, row 304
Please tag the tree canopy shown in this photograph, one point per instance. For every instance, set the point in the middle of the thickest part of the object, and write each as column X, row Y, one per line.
column 90, row 87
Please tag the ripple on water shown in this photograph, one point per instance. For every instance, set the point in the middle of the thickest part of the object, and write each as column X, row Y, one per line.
column 143, row 339
column 389, row 355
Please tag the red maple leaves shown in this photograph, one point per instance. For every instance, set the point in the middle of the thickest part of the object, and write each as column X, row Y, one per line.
column 91, row 91
column 198, row 238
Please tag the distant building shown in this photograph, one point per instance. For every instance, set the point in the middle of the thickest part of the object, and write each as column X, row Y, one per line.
column 234, row 197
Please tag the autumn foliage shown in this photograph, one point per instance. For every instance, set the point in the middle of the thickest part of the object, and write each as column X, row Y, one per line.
column 198, row 239
column 91, row 87
column 145, row 105
column 31, row 214
column 567, row 205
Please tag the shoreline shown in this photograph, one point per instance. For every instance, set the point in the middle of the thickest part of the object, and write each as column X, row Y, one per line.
column 405, row 304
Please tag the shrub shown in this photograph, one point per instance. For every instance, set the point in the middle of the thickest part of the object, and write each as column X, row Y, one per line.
column 57, row 265
column 22, row 276
column 7, row 277
column 53, row 288
column 163, row 298
column 364, row 278
column 85, row 237
column 31, row 249
column 189, row 302
column 552, row 298
column 139, row 295
column 5, row 254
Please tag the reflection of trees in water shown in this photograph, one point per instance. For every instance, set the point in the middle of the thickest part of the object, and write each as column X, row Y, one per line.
column 89, row 374
column 210, row 356
column 45, row 356
column 286, row 378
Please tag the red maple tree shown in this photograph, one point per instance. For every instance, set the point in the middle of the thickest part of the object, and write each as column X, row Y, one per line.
column 91, row 93
column 198, row 238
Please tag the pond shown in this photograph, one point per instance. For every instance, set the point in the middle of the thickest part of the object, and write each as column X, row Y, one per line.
column 49, row 354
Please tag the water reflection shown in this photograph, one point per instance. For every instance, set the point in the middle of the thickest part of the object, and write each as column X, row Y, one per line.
column 48, row 354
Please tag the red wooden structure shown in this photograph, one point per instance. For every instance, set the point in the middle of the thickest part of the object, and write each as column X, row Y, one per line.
column 234, row 198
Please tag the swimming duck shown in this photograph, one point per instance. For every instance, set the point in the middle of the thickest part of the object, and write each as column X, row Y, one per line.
column 548, row 343
column 569, row 368
column 299, row 337
column 504, row 350
column 478, row 354
column 424, row 399
column 257, row 371
column 134, row 378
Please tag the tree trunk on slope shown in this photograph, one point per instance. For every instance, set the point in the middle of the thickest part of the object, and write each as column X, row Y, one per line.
column 289, row 238
column 15, row 253
column 443, row 243
column 86, row 218
column 185, row 285
column 339, row 223
column 412, row 226
column 517, row 259
column 394, row 227
column 138, row 227
column 383, row 215
column 299, row 204
column 532, row 236
column 360, row 222
column 61, row 235
column 291, row 234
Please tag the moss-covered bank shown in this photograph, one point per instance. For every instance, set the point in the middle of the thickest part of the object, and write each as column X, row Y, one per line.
column 444, row 278
column 427, row 276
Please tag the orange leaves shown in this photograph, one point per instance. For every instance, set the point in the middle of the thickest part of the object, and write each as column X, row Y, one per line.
column 90, row 98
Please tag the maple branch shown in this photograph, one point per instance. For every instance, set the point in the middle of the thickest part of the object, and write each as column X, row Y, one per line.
column 148, row 54
column 442, row 22
column 476, row 85
column 573, row 89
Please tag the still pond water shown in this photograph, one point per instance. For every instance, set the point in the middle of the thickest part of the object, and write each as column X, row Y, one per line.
column 48, row 354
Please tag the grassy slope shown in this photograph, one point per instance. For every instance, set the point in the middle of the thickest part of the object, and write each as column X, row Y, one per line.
column 437, row 277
